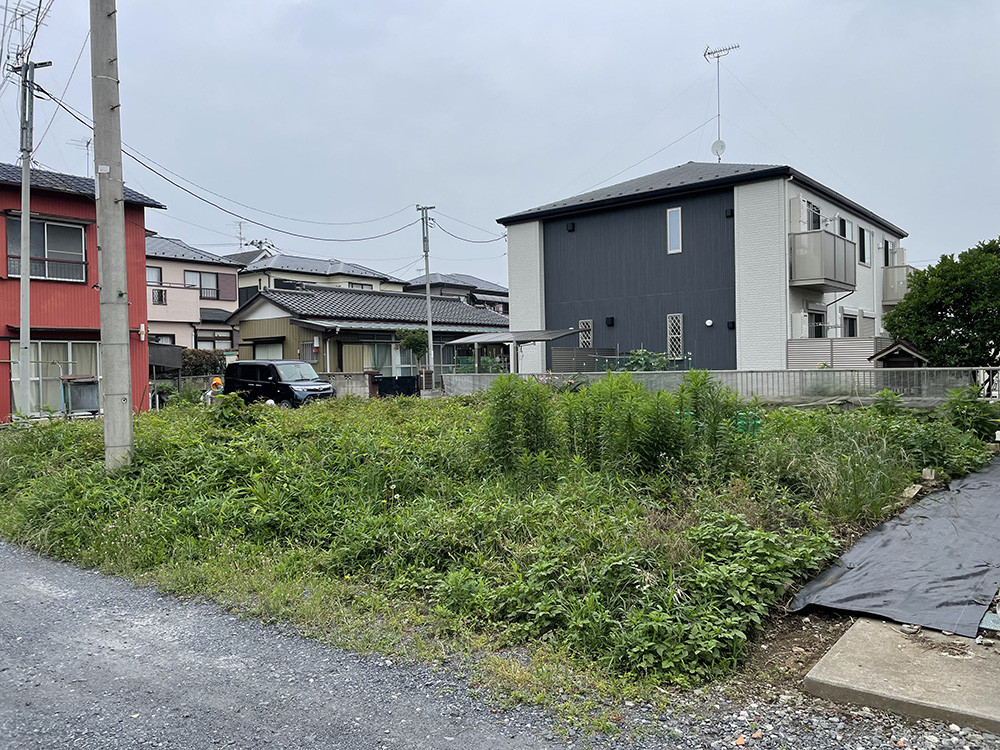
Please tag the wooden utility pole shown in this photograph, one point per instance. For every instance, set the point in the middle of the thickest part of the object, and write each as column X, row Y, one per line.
column 116, row 370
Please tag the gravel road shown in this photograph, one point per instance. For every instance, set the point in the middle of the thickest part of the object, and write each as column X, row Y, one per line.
column 91, row 662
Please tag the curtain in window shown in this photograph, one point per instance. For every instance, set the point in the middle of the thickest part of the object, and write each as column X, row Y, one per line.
column 84, row 358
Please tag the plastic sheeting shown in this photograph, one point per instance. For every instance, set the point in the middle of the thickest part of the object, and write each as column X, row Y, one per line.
column 936, row 564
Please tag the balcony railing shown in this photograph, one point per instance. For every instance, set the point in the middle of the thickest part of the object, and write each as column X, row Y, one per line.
column 823, row 261
column 895, row 282
column 50, row 268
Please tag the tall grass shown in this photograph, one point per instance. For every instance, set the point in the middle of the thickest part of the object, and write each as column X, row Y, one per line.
column 649, row 533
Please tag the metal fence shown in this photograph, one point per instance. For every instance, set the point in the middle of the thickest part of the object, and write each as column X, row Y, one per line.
column 928, row 385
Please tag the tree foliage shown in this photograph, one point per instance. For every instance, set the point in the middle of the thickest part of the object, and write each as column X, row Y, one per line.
column 414, row 340
column 951, row 311
column 202, row 362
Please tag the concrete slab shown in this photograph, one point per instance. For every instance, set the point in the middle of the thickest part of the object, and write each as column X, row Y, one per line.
column 928, row 675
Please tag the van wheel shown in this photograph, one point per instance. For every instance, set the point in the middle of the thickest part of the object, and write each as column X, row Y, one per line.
column 286, row 404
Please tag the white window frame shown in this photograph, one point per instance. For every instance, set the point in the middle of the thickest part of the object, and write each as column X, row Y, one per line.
column 44, row 261
column 586, row 337
column 866, row 237
column 675, row 336
column 813, row 215
column 674, row 216
column 843, row 325
column 820, row 324
column 35, row 371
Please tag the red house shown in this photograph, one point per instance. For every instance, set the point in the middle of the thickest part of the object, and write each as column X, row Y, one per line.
column 65, row 301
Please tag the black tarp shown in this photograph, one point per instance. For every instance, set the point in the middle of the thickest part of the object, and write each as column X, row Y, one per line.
column 936, row 564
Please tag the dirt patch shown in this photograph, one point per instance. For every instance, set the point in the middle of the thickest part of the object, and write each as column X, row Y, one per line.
column 788, row 648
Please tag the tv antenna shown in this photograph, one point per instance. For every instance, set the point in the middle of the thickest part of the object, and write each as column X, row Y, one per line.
column 85, row 144
column 719, row 147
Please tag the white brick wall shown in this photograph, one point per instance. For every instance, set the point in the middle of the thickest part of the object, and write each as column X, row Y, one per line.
column 526, row 281
column 762, row 314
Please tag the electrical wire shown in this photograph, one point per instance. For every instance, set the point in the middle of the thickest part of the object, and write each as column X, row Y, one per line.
column 128, row 152
column 65, row 89
column 655, row 153
column 238, row 203
column 463, row 239
column 473, row 226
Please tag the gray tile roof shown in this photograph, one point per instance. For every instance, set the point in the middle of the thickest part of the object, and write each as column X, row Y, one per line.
column 174, row 249
column 244, row 257
column 460, row 279
column 387, row 307
column 317, row 266
column 685, row 178
column 10, row 174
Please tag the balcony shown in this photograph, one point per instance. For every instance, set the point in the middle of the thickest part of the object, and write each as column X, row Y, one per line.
column 823, row 261
column 895, row 282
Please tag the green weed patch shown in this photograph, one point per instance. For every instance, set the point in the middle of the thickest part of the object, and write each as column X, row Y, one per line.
column 628, row 532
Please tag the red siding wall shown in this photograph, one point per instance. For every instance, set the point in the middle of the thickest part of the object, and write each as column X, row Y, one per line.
column 68, row 306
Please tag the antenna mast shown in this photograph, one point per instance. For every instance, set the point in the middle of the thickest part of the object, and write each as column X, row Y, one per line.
column 717, row 54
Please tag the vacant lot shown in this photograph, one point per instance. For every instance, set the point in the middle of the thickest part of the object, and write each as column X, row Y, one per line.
column 562, row 539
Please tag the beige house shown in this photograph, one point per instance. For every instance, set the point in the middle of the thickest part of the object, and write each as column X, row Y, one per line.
column 191, row 293
column 269, row 269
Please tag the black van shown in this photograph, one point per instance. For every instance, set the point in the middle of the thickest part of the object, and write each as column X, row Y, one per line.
column 287, row 382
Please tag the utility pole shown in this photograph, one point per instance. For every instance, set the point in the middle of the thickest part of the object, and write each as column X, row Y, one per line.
column 424, row 222
column 27, row 71
column 116, row 371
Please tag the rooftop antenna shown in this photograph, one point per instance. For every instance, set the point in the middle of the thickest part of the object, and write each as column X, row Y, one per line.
column 86, row 144
column 719, row 147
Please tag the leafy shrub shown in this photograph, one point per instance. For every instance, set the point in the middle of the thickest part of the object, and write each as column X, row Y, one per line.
column 964, row 408
column 887, row 402
column 202, row 362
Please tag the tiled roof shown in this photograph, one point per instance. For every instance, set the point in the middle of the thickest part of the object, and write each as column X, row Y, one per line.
column 10, row 174
column 244, row 257
column 460, row 279
column 214, row 314
column 388, row 307
column 174, row 249
column 684, row 179
column 317, row 266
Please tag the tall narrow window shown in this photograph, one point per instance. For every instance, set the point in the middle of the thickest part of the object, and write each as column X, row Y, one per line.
column 812, row 215
column 817, row 325
column 586, row 328
column 673, row 230
column 865, row 245
column 889, row 250
column 675, row 336
column 850, row 330
column 846, row 229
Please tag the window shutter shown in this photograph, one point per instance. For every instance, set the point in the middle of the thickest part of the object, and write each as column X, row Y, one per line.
column 227, row 287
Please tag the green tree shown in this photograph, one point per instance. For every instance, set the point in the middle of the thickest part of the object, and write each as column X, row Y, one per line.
column 951, row 311
column 414, row 340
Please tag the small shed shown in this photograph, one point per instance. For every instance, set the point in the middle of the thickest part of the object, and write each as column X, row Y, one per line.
column 899, row 354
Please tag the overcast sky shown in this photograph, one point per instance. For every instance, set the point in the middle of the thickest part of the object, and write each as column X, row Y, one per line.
column 345, row 112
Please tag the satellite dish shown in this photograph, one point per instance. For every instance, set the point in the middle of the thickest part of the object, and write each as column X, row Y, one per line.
column 719, row 148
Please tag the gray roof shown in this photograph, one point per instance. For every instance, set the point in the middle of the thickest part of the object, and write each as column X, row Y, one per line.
column 387, row 307
column 686, row 178
column 316, row 266
column 174, row 249
column 67, row 183
column 460, row 279
column 214, row 314
column 244, row 257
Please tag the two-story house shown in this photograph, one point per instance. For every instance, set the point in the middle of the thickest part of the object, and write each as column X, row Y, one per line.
column 65, row 283
column 191, row 293
column 721, row 266
column 269, row 269
column 471, row 289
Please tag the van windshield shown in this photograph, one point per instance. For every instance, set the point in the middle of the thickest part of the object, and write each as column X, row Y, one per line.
column 295, row 372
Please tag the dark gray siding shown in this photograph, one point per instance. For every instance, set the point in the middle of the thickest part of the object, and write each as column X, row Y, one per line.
column 615, row 264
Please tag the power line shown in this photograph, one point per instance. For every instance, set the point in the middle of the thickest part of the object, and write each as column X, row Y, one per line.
column 65, row 89
column 127, row 152
column 463, row 239
column 236, row 202
column 473, row 226
column 655, row 153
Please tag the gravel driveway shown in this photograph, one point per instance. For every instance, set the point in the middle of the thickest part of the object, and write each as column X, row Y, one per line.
column 88, row 661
